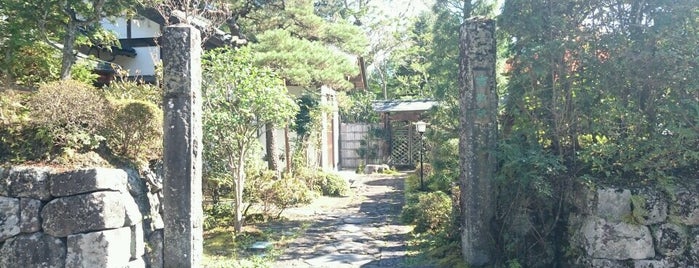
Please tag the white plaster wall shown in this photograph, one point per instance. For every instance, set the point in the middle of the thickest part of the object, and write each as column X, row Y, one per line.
column 143, row 64
column 140, row 27
column 116, row 25
column 144, row 28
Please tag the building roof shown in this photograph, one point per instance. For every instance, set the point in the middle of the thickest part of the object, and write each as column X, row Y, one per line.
column 403, row 105
column 216, row 38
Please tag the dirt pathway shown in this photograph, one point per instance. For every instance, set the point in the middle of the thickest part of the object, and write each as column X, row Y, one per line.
column 362, row 230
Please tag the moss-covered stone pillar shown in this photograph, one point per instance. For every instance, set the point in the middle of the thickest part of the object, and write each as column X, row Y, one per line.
column 477, row 138
column 182, row 141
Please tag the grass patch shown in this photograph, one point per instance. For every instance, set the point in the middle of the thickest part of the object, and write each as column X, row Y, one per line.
column 224, row 249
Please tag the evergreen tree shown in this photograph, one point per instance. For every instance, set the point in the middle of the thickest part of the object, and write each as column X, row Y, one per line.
column 597, row 92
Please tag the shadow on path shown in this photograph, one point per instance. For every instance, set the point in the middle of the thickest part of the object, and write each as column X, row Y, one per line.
column 364, row 232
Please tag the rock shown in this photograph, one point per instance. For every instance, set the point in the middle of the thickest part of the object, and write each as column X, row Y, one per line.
column 149, row 214
column 154, row 178
column 651, row 264
column 31, row 182
column 261, row 245
column 137, row 263
column 33, row 250
column 340, row 260
column 650, row 206
column 670, row 239
column 133, row 213
column 9, row 217
column 88, row 180
column 355, row 220
column 138, row 241
column 668, row 262
column 99, row 249
column 372, row 168
column 154, row 251
column 351, row 228
column 613, row 204
column 583, row 199
column 136, row 185
column 617, row 240
column 686, row 207
column 3, row 181
column 83, row 213
column 604, row 263
column 156, row 210
column 148, row 201
column 29, row 212
column 694, row 246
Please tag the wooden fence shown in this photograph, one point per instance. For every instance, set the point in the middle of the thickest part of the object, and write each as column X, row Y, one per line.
column 355, row 138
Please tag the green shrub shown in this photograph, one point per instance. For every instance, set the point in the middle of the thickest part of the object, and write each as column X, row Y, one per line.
column 327, row 184
column 412, row 183
column 290, row 191
column 83, row 71
column 334, row 185
column 276, row 194
column 440, row 182
column 19, row 140
column 71, row 113
column 136, row 130
column 360, row 168
column 29, row 65
column 218, row 215
column 259, row 189
column 125, row 89
column 430, row 212
column 426, row 167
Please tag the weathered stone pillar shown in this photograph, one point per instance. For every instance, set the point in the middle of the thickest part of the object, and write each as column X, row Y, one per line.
column 182, row 141
column 477, row 138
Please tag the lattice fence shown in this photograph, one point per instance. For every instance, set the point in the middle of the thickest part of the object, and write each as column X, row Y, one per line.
column 401, row 147
column 406, row 145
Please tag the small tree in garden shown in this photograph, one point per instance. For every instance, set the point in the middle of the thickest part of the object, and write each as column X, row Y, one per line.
column 239, row 99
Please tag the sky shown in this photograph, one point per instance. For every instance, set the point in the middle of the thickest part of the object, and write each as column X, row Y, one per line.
column 402, row 8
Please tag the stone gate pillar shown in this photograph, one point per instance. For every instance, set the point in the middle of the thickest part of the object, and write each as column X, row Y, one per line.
column 182, row 142
column 477, row 138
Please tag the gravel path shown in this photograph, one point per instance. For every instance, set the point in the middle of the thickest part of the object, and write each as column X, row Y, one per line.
column 362, row 230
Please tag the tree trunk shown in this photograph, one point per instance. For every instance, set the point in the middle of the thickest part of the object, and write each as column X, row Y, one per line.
column 287, row 148
column 68, row 56
column 239, row 185
column 271, row 147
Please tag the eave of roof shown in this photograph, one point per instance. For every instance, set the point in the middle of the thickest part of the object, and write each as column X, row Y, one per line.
column 403, row 105
column 217, row 37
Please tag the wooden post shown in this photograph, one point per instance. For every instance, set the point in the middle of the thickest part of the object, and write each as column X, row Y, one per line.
column 477, row 138
column 182, row 152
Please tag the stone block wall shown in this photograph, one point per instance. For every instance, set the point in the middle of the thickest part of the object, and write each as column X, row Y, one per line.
column 639, row 228
column 95, row 217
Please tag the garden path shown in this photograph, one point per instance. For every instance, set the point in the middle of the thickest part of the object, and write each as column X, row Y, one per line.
column 362, row 230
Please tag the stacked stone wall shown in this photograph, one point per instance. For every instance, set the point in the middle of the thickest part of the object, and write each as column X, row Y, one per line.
column 639, row 228
column 95, row 217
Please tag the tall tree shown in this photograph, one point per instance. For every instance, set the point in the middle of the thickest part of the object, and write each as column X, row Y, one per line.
column 600, row 94
column 306, row 49
column 405, row 69
column 239, row 99
column 67, row 22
